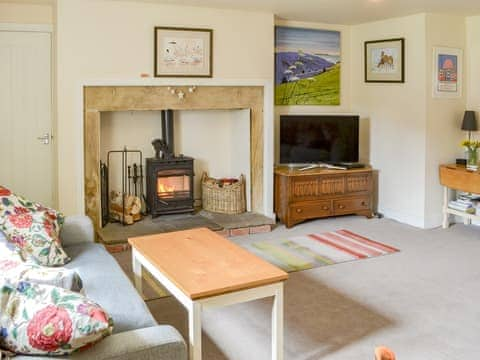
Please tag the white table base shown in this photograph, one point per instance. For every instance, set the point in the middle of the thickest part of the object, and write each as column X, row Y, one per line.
column 195, row 307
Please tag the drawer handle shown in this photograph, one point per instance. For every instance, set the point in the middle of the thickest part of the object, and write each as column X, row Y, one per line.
column 341, row 206
column 325, row 208
column 364, row 203
column 299, row 210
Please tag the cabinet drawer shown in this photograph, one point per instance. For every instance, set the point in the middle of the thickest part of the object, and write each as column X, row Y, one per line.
column 311, row 210
column 346, row 206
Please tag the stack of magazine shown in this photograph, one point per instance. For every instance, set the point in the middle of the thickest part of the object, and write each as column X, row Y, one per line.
column 468, row 203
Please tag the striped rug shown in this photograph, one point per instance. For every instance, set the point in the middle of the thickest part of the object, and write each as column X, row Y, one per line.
column 314, row 250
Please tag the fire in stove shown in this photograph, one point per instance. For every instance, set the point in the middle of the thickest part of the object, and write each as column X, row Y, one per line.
column 173, row 186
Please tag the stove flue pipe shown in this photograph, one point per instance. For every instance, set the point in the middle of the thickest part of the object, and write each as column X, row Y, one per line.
column 168, row 130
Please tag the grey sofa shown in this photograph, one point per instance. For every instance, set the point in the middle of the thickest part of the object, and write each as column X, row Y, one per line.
column 136, row 334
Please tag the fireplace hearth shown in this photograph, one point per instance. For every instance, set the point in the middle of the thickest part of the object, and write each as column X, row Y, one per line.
column 169, row 177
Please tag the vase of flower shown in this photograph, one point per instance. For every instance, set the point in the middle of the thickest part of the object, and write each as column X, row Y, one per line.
column 471, row 147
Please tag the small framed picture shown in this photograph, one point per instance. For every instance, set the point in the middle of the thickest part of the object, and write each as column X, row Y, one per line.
column 447, row 76
column 385, row 61
column 183, row 52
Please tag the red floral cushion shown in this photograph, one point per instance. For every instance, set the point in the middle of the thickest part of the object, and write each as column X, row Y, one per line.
column 37, row 319
column 33, row 228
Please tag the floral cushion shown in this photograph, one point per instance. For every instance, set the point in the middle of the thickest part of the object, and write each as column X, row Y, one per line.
column 15, row 271
column 7, row 249
column 37, row 319
column 33, row 228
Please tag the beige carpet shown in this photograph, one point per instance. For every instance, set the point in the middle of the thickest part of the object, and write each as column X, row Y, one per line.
column 424, row 302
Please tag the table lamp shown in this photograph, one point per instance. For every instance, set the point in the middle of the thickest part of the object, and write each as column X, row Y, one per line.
column 469, row 123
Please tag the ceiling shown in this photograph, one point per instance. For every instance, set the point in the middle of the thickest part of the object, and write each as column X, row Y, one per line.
column 347, row 12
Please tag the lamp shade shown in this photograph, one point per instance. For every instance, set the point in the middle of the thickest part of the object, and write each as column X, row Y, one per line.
column 469, row 121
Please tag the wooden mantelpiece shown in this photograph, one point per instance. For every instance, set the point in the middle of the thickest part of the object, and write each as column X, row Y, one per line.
column 302, row 195
column 142, row 98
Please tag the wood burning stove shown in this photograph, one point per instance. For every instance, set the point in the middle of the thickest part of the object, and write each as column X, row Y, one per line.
column 169, row 185
column 169, row 177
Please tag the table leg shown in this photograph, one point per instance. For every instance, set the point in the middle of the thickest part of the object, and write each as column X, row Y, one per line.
column 137, row 272
column 277, row 324
column 446, row 222
column 195, row 331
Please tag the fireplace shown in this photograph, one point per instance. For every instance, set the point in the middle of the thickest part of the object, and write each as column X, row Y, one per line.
column 169, row 177
column 254, row 96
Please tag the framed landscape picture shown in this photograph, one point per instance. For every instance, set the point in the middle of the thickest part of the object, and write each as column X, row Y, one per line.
column 183, row 52
column 385, row 61
column 307, row 66
column 447, row 76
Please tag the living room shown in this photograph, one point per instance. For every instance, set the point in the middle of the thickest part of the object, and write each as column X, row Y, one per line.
column 410, row 301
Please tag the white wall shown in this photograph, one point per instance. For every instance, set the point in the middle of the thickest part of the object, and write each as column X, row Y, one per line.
column 397, row 116
column 114, row 40
column 218, row 140
column 472, row 56
column 444, row 116
column 26, row 13
column 411, row 132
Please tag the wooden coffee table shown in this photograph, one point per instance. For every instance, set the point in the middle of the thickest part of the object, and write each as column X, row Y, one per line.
column 203, row 270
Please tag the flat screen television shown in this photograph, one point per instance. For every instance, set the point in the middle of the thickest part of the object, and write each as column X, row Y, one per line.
column 312, row 139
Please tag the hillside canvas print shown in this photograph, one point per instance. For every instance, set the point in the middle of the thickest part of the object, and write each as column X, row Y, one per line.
column 183, row 52
column 384, row 61
column 447, row 77
column 307, row 66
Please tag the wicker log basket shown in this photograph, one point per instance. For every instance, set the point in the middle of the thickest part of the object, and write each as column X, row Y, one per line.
column 226, row 198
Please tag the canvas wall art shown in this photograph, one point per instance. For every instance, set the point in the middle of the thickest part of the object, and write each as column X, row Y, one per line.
column 384, row 61
column 307, row 66
column 183, row 52
column 447, row 76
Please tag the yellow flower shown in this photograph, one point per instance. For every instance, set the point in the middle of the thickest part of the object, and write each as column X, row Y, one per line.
column 471, row 144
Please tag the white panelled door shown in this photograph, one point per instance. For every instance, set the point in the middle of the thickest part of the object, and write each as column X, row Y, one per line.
column 26, row 151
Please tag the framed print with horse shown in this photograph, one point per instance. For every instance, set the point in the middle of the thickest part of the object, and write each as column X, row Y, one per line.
column 385, row 61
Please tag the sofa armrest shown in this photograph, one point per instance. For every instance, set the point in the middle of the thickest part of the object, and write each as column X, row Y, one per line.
column 76, row 230
column 156, row 342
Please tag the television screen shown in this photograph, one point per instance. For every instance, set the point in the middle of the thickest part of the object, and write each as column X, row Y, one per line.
column 307, row 139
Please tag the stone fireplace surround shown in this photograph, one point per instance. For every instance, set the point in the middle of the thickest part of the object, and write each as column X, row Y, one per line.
column 154, row 95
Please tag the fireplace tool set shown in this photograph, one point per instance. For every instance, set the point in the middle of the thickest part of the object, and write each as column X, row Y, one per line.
column 128, row 205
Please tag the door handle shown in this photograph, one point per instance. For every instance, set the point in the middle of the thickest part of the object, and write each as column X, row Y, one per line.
column 45, row 139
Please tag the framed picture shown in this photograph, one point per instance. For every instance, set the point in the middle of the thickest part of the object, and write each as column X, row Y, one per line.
column 183, row 52
column 385, row 61
column 307, row 66
column 447, row 76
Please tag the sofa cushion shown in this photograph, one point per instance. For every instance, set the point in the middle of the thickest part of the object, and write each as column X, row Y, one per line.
column 38, row 319
column 7, row 249
column 16, row 270
column 105, row 283
column 33, row 228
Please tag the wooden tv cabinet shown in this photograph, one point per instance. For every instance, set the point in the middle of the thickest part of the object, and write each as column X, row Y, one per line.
column 317, row 193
